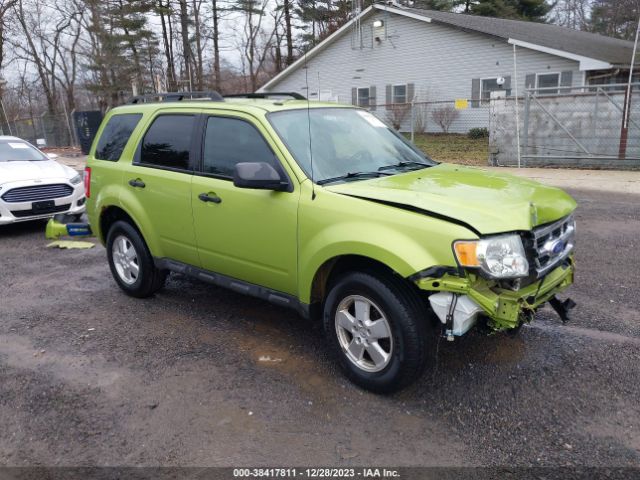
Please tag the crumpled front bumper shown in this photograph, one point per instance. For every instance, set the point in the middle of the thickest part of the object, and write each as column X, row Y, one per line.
column 504, row 308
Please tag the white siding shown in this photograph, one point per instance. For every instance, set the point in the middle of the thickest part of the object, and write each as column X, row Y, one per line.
column 440, row 60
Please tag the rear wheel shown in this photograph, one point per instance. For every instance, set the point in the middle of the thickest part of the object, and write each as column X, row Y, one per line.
column 377, row 328
column 131, row 262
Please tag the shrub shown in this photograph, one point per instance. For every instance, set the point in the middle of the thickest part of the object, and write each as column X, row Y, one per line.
column 478, row 133
column 444, row 117
column 397, row 113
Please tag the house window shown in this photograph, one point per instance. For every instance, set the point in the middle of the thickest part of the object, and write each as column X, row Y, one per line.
column 549, row 82
column 363, row 97
column 488, row 85
column 399, row 94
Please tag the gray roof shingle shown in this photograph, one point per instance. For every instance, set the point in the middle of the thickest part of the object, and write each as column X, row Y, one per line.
column 607, row 49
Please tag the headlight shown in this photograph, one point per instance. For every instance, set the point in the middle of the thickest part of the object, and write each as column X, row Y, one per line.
column 501, row 256
column 76, row 180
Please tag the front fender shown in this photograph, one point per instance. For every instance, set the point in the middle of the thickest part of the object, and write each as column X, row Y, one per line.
column 315, row 255
column 407, row 242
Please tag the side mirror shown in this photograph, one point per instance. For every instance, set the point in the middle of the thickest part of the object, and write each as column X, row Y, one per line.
column 52, row 156
column 258, row 175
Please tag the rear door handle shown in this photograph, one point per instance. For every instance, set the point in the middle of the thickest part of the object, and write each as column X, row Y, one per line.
column 137, row 183
column 205, row 197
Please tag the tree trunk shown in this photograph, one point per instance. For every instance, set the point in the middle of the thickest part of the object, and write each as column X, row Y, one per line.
column 216, row 45
column 199, row 67
column 171, row 69
column 186, row 46
column 288, row 32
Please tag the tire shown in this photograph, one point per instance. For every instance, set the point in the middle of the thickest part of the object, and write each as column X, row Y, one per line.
column 131, row 262
column 396, row 361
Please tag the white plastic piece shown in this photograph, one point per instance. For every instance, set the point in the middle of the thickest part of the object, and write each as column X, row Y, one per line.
column 465, row 313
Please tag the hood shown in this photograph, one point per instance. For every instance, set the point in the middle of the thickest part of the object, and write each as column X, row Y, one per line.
column 40, row 170
column 490, row 202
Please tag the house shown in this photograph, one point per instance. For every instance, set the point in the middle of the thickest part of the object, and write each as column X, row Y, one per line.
column 390, row 55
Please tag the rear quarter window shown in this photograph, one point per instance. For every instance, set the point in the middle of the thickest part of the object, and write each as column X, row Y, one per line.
column 115, row 136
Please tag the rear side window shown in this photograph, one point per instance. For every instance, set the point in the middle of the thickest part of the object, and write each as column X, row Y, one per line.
column 115, row 136
column 229, row 141
column 167, row 143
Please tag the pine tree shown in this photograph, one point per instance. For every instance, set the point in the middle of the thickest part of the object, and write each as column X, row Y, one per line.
column 534, row 10
column 121, row 43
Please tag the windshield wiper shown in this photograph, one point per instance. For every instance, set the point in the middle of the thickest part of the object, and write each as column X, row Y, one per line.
column 406, row 163
column 351, row 175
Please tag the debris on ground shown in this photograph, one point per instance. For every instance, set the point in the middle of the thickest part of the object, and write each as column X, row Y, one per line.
column 70, row 244
column 267, row 358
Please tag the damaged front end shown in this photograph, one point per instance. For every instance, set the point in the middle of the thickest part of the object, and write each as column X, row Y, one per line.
column 539, row 265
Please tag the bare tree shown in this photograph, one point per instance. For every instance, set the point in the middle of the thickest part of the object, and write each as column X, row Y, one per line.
column 6, row 7
column 444, row 117
column 397, row 114
column 571, row 13
column 186, row 44
column 256, row 39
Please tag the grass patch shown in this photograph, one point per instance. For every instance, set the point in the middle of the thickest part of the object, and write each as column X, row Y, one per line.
column 454, row 148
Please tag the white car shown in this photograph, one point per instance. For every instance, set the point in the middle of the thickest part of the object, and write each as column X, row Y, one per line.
column 34, row 186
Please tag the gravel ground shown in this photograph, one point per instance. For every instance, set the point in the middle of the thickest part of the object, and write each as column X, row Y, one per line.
column 201, row 376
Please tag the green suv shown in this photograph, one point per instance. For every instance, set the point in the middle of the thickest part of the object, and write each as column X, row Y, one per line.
column 325, row 209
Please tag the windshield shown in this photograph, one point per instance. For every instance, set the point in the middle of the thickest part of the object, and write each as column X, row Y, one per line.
column 19, row 151
column 347, row 144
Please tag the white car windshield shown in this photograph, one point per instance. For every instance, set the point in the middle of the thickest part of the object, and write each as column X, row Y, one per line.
column 19, row 151
column 346, row 144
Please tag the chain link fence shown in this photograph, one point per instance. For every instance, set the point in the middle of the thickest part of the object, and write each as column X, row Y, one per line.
column 594, row 126
column 42, row 130
column 446, row 130
column 434, row 117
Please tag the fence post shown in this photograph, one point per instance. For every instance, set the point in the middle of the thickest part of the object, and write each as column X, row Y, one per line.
column 413, row 119
column 525, row 126
column 68, row 123
column 74, row 133
column 44, row 130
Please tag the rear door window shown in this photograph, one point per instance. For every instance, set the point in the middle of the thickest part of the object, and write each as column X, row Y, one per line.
column 167, row 143
column 115, row 136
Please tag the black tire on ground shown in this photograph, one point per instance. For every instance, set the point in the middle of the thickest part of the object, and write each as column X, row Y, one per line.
column 407, row 317
column 148, row 278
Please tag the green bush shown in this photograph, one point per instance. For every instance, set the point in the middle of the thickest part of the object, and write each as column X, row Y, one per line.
column 478, row 132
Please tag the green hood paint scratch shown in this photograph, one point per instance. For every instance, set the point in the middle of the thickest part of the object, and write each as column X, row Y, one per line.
column 490, row 202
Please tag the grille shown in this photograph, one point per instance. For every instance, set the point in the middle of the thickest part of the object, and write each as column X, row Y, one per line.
column 552, row 244
column 37, row 192
column 31, row 213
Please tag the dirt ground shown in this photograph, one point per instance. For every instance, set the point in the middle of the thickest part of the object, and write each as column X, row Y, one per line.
column 201, row 376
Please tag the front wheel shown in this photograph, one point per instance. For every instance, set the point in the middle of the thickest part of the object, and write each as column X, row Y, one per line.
column 131, row 262
column 377, row 328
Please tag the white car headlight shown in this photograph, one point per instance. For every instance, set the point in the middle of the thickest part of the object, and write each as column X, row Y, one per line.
column 501, row 256
column 76, row 180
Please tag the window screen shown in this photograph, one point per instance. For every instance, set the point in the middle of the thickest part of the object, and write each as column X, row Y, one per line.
column 399, row 94
column 363, row 97
column 491, row 85
column 229, row 141
column 115, row 136
column 548, row 80
column 167, row 143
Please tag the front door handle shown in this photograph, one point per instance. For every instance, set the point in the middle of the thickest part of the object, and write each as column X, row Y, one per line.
column 137, row 183
column 206, row 197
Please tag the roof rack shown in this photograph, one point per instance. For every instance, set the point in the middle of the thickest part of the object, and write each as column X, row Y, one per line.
column 177, row 97
column 294, row 95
